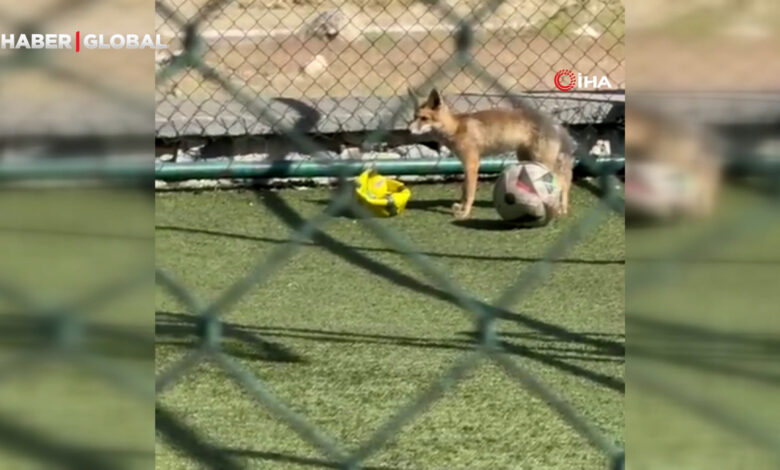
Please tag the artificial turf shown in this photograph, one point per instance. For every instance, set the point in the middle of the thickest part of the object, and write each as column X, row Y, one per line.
column 347, row 342
column 84, row 255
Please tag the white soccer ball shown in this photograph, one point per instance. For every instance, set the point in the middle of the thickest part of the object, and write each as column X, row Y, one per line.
column 659, row 191
column 527, row 193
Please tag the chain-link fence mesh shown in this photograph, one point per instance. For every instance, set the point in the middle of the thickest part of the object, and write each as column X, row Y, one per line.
column 76, row 276
column 275, row 64
column 700, row 314
column 343, row 66
column 37, row 331
column 55, row 93
column 76, row 334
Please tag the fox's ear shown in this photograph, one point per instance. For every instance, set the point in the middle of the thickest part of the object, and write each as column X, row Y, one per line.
column 434, row 100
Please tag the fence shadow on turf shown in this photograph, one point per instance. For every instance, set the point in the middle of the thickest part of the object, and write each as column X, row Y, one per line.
column 747, row 356
column 492, row 225
column 40, row 446
column 190, row 441
column 434, row 288
column 436, row 206
column 442, row 206
column 292, row 459
column 294, row 221
column 181, row 330
column 367, row 249
column 520, row 344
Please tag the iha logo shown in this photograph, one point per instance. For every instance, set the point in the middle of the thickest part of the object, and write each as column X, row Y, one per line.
column 566, row 80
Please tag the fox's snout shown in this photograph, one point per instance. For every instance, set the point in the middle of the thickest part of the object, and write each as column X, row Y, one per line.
column 416, row 127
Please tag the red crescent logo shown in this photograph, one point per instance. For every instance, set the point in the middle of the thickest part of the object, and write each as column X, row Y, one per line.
column 572, row 80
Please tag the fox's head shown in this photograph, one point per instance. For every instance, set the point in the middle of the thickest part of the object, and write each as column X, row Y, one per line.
column 431, row 116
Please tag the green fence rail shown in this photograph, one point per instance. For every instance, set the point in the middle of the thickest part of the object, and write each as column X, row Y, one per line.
column 312, row 169
column 84, row 169
column 90, row 169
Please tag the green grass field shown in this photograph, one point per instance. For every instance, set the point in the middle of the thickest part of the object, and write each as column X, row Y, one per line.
column 65, row 251
column 702, row 324
column 348, row 342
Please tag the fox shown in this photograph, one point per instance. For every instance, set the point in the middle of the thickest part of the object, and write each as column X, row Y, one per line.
column 529, row 132
column 689, row 152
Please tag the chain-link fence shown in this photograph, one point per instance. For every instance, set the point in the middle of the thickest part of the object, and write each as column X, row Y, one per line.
column 76, row 277
column 344, row 66
column 209, row 69
column 37, row 332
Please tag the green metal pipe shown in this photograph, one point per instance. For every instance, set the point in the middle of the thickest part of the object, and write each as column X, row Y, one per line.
column 311, row 169
column 85, row 169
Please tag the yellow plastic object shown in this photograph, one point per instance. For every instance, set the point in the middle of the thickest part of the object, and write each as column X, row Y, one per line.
column 383, row 197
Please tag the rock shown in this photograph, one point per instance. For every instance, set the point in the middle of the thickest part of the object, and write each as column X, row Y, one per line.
column 327, row 25
column 316, row 67
column 587, row 30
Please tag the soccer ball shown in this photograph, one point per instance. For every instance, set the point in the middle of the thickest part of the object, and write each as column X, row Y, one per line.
column 662, row 192
column 527, row 193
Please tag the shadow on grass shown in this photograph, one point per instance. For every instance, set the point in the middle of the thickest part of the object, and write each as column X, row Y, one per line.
column 495, row 225
column 69, row 233
column 438, row 206
column 32, row 332
column 189, row 441
column 35, row 446
column 557, row 356
column 554, row 356
column 293, row 220
column 349, row 254
column 291, row 459
column 442, row 206
column 352, row 256
column 176, row 329
column 432, row 254
column 595, row 189
column 733, row 354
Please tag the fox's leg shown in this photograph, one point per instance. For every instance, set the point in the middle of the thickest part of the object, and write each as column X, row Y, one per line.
column 458, row 206
column 471, row 170
column 565, row 188
column 565, row 176
column 709, row 183
column 548, row 153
